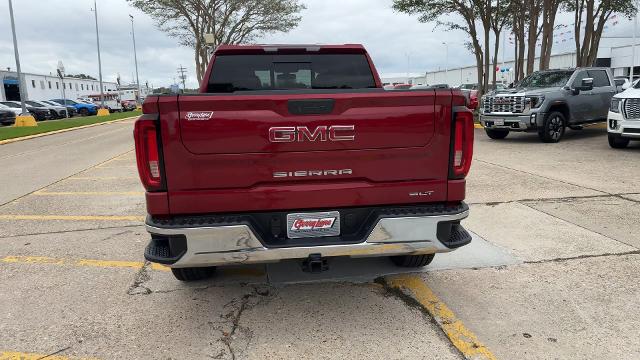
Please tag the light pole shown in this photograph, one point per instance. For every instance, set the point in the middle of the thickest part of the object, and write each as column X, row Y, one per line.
column 64, row 96
column 446, row 61
column 633, row 48
column 95, row 12
column 22, row 87
column 135, row 57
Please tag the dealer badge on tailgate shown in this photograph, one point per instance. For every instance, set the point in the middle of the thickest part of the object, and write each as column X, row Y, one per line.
column 302, row 225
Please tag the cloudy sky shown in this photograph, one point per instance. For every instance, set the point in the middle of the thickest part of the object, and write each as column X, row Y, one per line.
column 54, row 30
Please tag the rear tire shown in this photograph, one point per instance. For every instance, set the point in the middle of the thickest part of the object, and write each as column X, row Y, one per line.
column 83, row 112
column 193, row 274
column 554, row 127
column 617, row 141
column 496, row 134
column 413, row 261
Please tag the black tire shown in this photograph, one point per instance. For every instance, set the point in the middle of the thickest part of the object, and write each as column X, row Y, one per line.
column 554, row 127
column 193, row 274
column 83, row 112
column 412, row 261
column 496, row 134
column 617, row 141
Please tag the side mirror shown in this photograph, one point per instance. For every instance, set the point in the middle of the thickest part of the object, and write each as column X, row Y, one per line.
column 586, row 85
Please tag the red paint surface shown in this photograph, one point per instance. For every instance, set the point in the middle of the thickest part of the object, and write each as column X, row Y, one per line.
column 226, row 164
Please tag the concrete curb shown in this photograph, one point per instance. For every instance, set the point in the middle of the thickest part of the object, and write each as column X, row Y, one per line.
column 8, row 141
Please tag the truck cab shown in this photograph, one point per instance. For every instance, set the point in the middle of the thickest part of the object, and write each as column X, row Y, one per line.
column 548, row 102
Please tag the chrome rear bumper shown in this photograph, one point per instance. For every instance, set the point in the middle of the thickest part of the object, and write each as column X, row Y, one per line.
column 238, row 244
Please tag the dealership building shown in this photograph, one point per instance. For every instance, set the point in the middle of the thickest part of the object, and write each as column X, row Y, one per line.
column 617, row 56
column 44, row 87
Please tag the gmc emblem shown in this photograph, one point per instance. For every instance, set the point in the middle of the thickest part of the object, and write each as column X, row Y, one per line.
column 286, row 134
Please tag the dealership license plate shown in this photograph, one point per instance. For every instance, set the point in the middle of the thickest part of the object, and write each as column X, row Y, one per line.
column 498, row 122
column 319, row 224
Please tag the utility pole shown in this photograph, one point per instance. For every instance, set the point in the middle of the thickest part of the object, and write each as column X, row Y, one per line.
column 446, row 62
column 21, row 84
column 135, row 57
column 95, row 12
column 182, row 70
column 64, row 95
column 504, row 33
column 633, row 47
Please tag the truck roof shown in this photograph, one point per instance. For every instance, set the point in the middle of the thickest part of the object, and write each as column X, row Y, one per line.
column 290, row 48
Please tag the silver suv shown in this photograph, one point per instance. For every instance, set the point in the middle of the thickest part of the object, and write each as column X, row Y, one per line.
column 548, row 102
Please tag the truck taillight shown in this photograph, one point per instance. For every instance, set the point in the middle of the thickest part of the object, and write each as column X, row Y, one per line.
column 462, row 147
column 148, row 153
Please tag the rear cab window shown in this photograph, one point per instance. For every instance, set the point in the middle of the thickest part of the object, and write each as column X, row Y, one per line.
column 233, row 73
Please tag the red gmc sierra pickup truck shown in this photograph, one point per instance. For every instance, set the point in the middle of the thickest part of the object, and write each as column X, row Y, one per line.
column 297, row 152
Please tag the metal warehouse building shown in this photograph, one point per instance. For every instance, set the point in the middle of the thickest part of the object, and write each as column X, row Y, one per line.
column 617, row 57
column 44, row 87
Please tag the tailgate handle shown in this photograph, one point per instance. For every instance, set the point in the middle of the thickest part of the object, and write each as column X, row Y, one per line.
column 311, row 107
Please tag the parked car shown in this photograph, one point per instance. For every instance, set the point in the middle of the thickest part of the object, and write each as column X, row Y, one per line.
column 623, row 83
column 82, row 108
column 548, row 102
column 111, row 101
column 469, row 86
column 128, row 105
column 470, row 91
column 15, row 111
column 7, row 117
column 39, row 113
column 392, row 185
column 623, row 120
column 71, row 110
column 401, row 86
column 57, row 112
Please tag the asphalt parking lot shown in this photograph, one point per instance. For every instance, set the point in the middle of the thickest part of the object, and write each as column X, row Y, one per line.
column 552, row 272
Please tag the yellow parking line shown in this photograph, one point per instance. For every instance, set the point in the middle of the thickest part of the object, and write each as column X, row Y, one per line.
column 88, row 193
column 103, row 178
column 72, row 217
column 459, row 335
column 15, row 355
column 80, row 262
column 250, row 272
column 478, row 126
column 117, row 167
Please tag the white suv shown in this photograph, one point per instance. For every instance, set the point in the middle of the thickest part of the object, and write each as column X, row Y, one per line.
column 623, row 121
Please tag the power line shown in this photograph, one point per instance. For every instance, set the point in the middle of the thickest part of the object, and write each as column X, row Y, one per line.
column 183, row 76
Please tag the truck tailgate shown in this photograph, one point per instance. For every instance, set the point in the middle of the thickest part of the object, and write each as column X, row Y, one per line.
column 249, row 152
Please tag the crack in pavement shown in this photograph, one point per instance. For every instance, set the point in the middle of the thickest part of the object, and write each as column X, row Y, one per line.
column 579, row 257
column 577, row 225
column 232, row 318
column 552, row 199
column 71, row 231
column 142, row 276
column 412, row 303
column 64, row 178
column 541, row 176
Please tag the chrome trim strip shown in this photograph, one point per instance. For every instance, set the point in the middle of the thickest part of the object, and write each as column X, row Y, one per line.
column 237, row 244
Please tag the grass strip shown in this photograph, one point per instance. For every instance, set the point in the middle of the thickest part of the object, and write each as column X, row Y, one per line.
column 10, row 132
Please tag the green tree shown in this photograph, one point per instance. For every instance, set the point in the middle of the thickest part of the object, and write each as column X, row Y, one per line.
column 593, row 14
column 470, row 11
column 229, row 21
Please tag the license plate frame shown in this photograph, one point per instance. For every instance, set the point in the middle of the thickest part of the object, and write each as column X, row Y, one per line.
column 498, row 122
column 313, row 224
